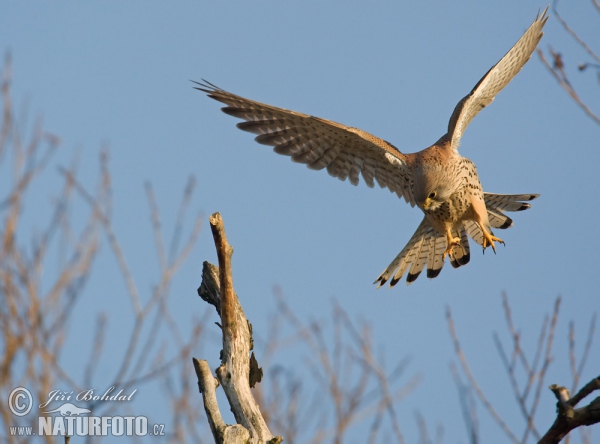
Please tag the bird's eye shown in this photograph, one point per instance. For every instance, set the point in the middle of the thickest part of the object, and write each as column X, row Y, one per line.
column 432, row 195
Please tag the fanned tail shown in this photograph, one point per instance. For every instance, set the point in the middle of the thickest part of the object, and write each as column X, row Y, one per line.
column 426, row 246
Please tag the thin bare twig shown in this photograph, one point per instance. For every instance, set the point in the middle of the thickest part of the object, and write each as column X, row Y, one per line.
column 573, row 34
column 467, row 405
column 564, row 82
column 585, row 354
column 473, row 382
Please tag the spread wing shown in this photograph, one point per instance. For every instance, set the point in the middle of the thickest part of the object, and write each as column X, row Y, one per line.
column 346, row 152
column 495, row 80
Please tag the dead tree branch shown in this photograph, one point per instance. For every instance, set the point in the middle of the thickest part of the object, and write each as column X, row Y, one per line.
column 473, row 382
column 559, row 72
column 235, row 372
column 527, row 389
column 569, row 417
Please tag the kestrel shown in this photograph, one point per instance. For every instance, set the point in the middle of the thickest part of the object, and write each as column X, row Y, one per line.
column 442, row 183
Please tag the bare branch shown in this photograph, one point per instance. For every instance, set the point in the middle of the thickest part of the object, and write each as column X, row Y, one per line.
column 234, row 373
column 473, row 382
column 573, row 34
column 569, row 418
column 594, row 384
column 557, row 67
column 467, row 405
column 185, row 202
column 208, row 384
column 586, row 352
column 156, row 225
column 35, row 305
column 521, row 398
column 228, row 298
column 112, row 238
column 566, row 85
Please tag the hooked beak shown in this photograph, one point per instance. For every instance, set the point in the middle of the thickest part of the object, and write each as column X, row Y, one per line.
column 426, row 204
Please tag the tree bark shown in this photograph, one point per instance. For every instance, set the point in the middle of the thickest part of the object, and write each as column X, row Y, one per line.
column 569, row 417
column 234, row 372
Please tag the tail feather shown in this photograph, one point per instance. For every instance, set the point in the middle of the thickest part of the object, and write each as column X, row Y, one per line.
column 426, row 246
column 461, row 254
column 474, row 231
column 422, row 251
column 413, row 249
column 435, row 261
column 508, row 202
column 498, row 219
column 405, row 258
column 497, row 204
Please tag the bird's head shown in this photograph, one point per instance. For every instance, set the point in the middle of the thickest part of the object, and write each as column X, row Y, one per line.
column 430, row 188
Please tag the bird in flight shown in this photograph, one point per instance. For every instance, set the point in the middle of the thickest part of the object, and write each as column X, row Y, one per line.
column 442, row 183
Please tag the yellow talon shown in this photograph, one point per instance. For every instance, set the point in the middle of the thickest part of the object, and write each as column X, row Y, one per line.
column 489, row 239
column 451, row 243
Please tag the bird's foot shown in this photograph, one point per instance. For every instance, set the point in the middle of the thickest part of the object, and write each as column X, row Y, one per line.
column 452, row 241
column 489, row 239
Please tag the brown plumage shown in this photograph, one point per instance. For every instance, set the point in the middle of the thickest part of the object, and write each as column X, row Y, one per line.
column 442, row 183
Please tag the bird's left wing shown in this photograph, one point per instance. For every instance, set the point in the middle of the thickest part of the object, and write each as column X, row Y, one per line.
column 495, row 80
column 346, row 152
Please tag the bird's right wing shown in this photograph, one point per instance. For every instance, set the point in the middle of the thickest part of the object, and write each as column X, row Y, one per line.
column 346, row 152
column 495, row 80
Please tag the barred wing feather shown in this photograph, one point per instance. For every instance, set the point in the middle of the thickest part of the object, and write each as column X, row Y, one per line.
column 495, row 80
column 346, row 152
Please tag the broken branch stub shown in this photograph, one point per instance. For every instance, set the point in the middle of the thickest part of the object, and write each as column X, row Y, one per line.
column 568, row 417
column 209, row 288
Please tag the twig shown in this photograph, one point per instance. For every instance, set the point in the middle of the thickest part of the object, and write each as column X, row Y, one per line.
column 586, row 352
column 467, row 405
column 520, row 397
column 473, row 382
column 563, row 81
column 573, row 33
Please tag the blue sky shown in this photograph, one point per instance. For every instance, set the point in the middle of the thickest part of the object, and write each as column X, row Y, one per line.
column 118, row 75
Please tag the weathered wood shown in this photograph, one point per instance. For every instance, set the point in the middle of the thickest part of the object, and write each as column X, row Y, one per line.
column 234, row 372
column 224, row 252
column 209, row 288
column 208, row 384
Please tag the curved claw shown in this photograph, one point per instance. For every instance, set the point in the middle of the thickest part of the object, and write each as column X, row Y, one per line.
column 489, row 239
